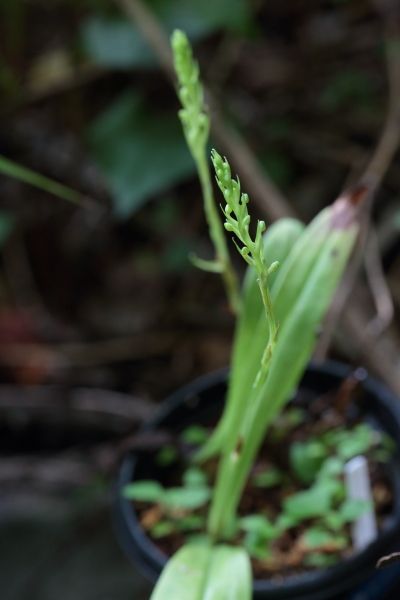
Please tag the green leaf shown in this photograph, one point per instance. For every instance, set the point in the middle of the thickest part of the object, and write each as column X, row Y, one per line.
column 185, row 574
column 115, row 43
column 144, row 491
column 316, row 537
column 333, row 520
column 229, row 576
column 332, row 467
column 251, row 329
column 194, row 477
column 306, row 459
column 315, row 502
column 256, row 546
column 350, row 510
column 357, row 441
column 199, row 571
column 162, row 529
column 258, row 524
column 259, row 532
column 191, row 522
column 186, row 497
column 139, row 153
column 6, row 226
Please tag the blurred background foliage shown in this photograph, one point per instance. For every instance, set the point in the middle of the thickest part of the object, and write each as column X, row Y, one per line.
column 101, row 293
column 84, row 102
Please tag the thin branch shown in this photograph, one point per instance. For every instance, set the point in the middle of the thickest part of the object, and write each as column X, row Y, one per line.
column 378, row 286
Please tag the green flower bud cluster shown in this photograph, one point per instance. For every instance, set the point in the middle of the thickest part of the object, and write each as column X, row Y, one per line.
column 195, row 121
column 237, row 221
column 237, row 216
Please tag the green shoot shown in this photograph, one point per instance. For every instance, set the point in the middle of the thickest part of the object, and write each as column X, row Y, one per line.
column 252, row 250
column 16, row 171
column 196, row 127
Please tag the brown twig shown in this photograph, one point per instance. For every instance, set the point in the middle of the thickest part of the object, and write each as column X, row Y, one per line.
column 378, row 286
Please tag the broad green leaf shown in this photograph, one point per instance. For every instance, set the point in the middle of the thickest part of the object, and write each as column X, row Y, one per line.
column 139, row 152
column 331, row 468
column 144, row 491
column 202, row 572
column 229, row 576
column 194, row 477
column 315, row 502
column 306, row 459
column 251, row 333
column 258, row 524
column 278, row 242
column 357, row 441
column 186, row 497
column 184, row 576
column 315, row 537
column 350, row 510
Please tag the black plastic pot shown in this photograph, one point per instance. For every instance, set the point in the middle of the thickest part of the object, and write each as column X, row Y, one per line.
column 193, row 404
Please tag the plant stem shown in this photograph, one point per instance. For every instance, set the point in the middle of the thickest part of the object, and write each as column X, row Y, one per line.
column 273, row 328
column 217, row 233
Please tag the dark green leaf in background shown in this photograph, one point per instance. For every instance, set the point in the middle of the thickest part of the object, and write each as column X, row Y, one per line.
column 139, row 153
column 114, row 42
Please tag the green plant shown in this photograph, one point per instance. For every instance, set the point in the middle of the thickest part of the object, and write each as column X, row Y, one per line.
column 196, row 127
column 292, row 274
column 16, row 171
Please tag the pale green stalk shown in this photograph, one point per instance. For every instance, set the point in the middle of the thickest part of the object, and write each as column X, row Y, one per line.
column 196, row 127
column 16, row 171
column 238, row 222
column 251, row 333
